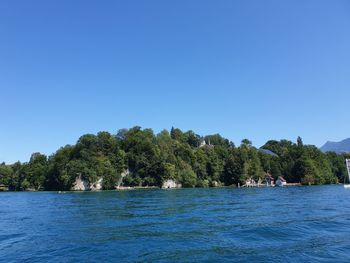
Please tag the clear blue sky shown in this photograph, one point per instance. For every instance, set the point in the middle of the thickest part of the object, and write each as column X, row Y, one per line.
column 245, row 69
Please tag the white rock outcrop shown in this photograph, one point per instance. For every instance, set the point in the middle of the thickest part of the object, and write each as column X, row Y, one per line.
column 97, row 185
column 80, row 184
column 170, row 184
column 122, row 175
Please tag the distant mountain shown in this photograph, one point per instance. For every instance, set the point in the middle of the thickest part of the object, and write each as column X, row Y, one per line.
column 338, row 147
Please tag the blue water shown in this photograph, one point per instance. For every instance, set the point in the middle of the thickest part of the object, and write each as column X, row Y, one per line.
column 296, row 224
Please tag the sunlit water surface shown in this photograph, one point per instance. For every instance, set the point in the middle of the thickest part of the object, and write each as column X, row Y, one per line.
column 296, row 224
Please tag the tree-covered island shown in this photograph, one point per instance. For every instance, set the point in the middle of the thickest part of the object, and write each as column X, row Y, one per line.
column 148, row 159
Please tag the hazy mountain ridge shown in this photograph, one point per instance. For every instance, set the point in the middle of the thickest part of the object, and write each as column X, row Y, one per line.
column 338, row 147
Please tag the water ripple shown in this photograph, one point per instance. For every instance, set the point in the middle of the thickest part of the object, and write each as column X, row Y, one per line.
column 300, row 224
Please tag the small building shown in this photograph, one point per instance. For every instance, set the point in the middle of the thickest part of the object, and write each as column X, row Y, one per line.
column 281, row 181
column 250, row 183
column 202, row 143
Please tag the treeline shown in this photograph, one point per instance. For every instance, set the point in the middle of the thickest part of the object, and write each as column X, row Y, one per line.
column 185, row 157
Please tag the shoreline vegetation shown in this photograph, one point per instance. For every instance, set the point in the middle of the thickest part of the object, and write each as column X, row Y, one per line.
column 137, row 158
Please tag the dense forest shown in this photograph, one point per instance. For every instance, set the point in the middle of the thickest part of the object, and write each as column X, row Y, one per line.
column 185, row 157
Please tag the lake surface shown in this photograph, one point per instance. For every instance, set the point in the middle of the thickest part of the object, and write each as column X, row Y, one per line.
column 296, row 224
